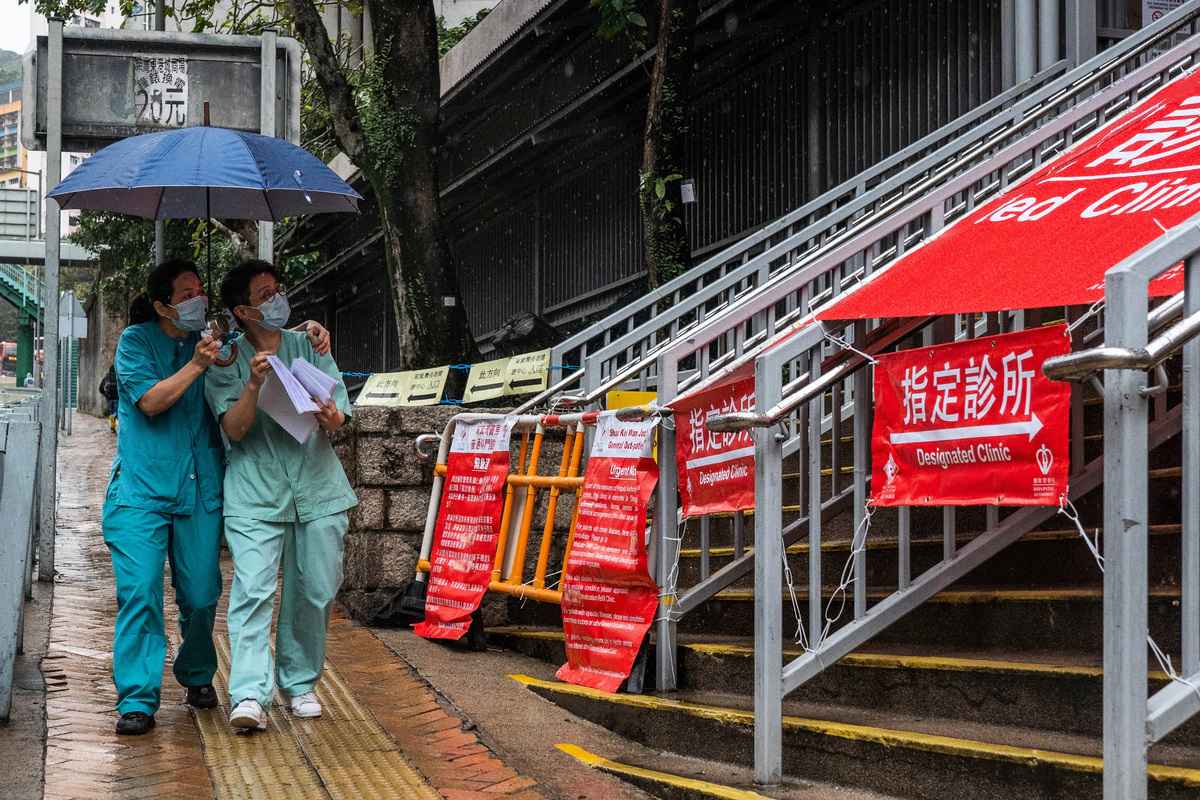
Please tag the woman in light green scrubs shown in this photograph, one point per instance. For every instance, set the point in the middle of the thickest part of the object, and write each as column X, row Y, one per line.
column 284, row 500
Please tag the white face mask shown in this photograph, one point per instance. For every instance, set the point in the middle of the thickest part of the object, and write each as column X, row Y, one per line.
column 192, row 313
column 275, row 312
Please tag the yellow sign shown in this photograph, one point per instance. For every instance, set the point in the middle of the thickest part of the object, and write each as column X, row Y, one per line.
column 486, row 381
column 622, row 399
column 527, row 373
column 384, row 389
column 424, row 387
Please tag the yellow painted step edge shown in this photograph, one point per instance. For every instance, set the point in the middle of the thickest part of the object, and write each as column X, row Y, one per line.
column 677, row 781
column 966, row 748
column 878, row 660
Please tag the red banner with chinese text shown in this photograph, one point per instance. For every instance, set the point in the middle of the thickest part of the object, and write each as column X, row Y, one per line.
column 972, row 423
column 716, row 470
column 608, row 597
column 468, row 525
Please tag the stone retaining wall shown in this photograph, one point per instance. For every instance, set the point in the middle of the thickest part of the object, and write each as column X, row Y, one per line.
column 378, row 451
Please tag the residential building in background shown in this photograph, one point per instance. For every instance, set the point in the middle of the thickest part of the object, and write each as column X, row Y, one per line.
column 13, row 156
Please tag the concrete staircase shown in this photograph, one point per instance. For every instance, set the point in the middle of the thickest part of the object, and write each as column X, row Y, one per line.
column 991, row 690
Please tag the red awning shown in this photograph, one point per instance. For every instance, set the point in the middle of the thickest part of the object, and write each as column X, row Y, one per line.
column 1049, row 240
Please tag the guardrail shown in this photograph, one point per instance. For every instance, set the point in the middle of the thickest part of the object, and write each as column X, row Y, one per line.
column 739, row 335
column 1131, row 723
column 19, row 440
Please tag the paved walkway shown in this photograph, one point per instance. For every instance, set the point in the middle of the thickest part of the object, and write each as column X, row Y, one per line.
column 384, row 733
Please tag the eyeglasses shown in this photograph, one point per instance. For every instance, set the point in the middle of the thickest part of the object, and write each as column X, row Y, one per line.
column 266, row 294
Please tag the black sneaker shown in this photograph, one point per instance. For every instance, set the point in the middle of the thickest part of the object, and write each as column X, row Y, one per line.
column 202, row 696
column 135, row 723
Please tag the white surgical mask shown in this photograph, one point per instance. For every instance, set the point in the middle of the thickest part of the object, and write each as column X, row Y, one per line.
column 192, row 313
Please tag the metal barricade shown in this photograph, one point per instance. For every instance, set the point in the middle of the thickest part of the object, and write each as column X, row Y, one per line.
column 526, row 482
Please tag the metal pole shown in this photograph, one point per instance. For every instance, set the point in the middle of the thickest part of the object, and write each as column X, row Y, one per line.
column 1048, row 29
column 69, row 362
column 768, row 581
column 862, row 458
column 666, row 545
column 160, row 24
column 1008, row 67
column 49, row 445
column 266, row 230
column 1081, row 30
column 1125, row 545
column 1190, row 427
column 816, row 614
column 1025, row 42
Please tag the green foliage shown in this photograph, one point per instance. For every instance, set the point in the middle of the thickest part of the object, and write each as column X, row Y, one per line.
column 620, row 17
column 448, row 37
column 390, row 127
column 10, row 66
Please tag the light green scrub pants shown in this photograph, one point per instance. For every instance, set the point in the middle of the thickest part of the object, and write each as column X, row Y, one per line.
column 312, row 573
column 139, row 542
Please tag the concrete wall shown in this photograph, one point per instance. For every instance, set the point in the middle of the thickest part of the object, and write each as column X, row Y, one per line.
column 96, row 353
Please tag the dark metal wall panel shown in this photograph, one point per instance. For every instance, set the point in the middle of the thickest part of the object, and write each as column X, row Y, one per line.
column 591, row 229
column 886, row 76
column 496, row 268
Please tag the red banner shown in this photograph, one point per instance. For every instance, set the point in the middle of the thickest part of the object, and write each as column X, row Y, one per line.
column 1048, row 240
column 468, row 525
column 972, row 423
column 716, row 470
column 608, row 597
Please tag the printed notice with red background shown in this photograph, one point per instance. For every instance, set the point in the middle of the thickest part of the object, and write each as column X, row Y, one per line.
column 972, row 423
column 468, row 526
column 608, row 597
column 716, row 470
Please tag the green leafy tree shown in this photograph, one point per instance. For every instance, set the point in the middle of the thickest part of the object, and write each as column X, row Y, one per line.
column 382, row 111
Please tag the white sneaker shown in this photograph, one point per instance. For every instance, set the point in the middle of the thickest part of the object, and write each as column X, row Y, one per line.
column 306, row 706
column 249, row 715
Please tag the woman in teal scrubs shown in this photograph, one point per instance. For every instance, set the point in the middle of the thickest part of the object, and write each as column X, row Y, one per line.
column 164, row 495
column 285, row 500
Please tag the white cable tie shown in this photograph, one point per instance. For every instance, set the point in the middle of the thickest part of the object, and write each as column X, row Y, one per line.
column 1092, row 311
column 840, row 342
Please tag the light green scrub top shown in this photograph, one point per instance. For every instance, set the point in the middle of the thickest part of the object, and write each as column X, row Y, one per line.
column 162, row 460
column 270, row 476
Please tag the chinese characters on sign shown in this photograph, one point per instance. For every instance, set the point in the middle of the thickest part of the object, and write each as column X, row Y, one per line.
column 972, row 423
column 716, row 470
column 468, row 526
column 161, row 90
column 608, row 597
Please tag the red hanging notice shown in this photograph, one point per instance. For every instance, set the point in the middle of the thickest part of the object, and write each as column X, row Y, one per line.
column 716, row 470
column 467, row 526
column 972, row 423
column 608, row 597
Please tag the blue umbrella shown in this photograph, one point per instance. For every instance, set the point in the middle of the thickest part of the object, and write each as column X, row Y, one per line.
column 203, row 172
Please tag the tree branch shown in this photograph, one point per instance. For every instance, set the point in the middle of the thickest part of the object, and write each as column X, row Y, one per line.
column 338, row 92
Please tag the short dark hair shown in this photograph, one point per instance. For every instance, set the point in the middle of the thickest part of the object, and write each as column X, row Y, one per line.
column 160, row 283
column 235, row 288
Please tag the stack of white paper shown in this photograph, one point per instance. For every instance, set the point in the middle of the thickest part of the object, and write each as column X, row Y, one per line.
column 287, row 396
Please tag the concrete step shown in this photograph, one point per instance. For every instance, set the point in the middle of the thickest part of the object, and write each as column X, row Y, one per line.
column 1053, row 691
column 923, row 758
column 966, row 617
column 1043, row 557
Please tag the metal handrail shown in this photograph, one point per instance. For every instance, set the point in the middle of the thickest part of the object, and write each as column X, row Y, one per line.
column 1078, row 366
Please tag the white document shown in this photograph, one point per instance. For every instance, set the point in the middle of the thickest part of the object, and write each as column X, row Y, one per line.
column 315, row 382
column 287, row 402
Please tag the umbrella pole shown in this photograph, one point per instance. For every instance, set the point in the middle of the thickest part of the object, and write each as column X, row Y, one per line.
column 208, row 236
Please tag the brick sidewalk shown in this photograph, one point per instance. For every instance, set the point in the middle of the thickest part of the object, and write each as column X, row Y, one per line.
column 385, row 732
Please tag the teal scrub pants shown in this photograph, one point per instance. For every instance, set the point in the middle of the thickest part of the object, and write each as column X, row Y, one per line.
column 139, row 542
column 312, row 572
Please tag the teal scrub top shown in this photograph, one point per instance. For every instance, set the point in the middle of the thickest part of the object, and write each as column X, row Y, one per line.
column 161, row 459
column 270, row 476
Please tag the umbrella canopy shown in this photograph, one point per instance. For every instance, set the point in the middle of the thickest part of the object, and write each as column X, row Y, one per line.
column 203, row 172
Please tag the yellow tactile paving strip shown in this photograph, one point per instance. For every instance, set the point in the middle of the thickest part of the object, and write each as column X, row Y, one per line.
column 343, row 755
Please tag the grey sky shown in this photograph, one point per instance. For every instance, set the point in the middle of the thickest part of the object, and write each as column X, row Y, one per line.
column 14, row 25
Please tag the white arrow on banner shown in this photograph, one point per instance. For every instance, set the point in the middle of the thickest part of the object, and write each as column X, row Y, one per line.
column 1028, row 428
